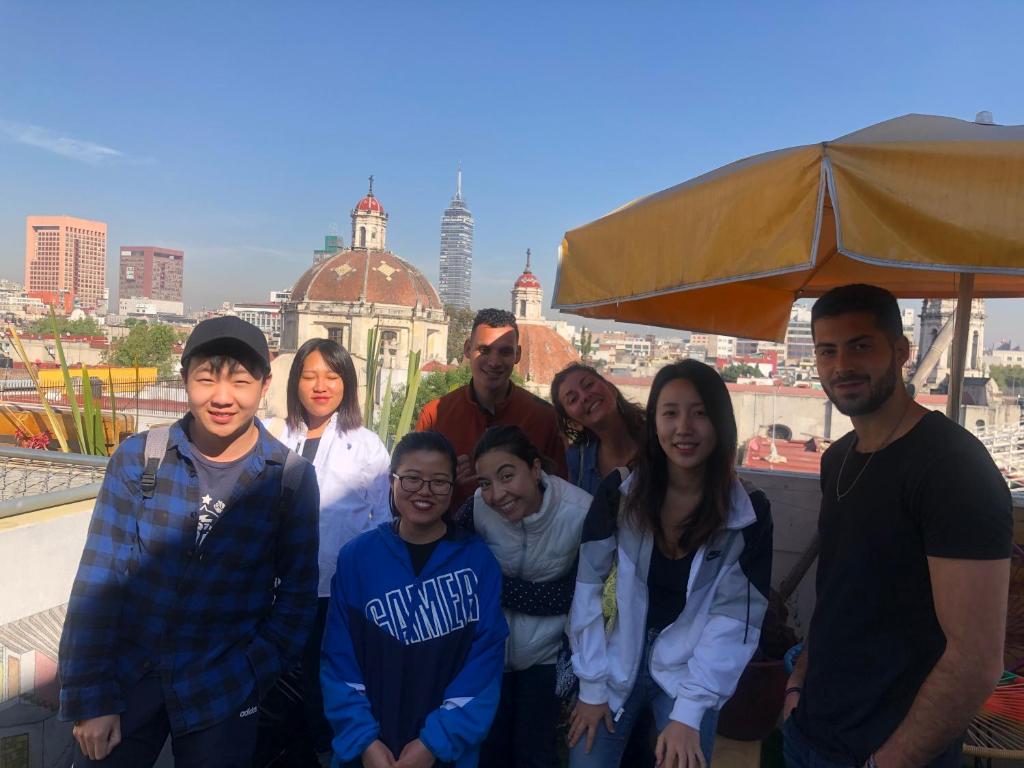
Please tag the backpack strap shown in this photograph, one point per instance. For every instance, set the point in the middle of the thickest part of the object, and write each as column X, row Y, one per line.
column 153, row 455
column 291, row 476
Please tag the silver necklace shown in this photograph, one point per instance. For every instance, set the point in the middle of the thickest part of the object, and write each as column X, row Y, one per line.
column 844, row 494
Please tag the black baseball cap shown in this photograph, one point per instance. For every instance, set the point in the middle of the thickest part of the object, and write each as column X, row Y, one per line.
column 224, row 335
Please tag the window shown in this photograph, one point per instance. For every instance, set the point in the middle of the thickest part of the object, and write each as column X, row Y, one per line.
column 336, row 334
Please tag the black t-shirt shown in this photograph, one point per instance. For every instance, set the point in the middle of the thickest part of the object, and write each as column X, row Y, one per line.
column 666, row 588
column 309, row 448
column 217, row 482
column 874, row 636
column 420, row 553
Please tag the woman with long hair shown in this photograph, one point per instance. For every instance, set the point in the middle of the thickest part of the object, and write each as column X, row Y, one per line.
column 603, row 429
column 693, row 547
column 325, row 426
column 532, row 521
column 412, row 656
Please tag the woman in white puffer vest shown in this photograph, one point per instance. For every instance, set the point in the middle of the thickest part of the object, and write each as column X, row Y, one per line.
column 532, row 522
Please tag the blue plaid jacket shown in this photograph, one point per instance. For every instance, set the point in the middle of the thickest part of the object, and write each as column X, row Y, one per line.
column 213, row 621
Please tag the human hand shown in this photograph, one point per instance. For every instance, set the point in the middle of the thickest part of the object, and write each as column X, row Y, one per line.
column 464, row 470
column 789, row 703
column 378, row 756
column 416, row 755
column 679, row 747
column 585, row 720
column 98, row 736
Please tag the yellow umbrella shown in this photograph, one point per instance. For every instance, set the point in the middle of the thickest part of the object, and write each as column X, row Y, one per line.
column 924, row 206
column 907, row 204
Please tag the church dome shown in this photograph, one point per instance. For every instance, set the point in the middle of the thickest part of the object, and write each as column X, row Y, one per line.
column 527, row 280
column 369, row 204
column 373, row 277
column 545, row 353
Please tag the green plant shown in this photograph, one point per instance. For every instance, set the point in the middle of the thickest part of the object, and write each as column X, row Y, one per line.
column 409, row 400
column 372, row 345
column 55, row 426
column 385, row 413
column 76, row 414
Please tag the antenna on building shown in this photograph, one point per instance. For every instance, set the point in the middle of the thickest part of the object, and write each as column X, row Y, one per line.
column 458, row 182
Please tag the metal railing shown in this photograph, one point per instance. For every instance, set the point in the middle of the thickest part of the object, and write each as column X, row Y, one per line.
column 163, row 397
column 33, row 479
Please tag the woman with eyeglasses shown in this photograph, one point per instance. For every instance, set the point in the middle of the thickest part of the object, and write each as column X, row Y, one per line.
column 412, row 656
column 352, row 469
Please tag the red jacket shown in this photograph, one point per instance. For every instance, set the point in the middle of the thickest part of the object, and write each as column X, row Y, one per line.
column 459, row 417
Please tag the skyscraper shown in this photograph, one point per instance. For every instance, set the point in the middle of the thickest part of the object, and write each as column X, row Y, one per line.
column 456, row 273
column 152, row 276
column 66, row 261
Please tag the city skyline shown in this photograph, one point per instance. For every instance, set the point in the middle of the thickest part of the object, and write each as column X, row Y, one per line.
column 242, row 163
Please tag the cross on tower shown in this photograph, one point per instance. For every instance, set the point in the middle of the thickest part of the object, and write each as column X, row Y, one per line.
column 371, row 186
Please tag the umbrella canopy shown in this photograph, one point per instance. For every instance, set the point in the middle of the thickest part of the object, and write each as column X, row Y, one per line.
column 909, row 204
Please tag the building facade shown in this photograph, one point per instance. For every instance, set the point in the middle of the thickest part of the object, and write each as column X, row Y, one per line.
column 455, row 279
column 344, row 296
column 935, row 313
column 264, row 315
column 66, row 262
column 152, row 276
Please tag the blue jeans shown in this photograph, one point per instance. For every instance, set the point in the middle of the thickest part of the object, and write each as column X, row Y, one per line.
column 608, row 747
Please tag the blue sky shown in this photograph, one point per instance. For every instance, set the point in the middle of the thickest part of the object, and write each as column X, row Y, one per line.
column 242, row 132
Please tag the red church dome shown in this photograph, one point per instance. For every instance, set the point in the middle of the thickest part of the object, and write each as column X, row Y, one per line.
column 369, row 204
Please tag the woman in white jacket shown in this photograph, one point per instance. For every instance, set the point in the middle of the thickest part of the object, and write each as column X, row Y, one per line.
column 532, row 522
column 693, row 548
column 352, row 468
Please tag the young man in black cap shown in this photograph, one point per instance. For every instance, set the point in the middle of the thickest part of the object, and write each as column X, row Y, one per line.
column 197, row 586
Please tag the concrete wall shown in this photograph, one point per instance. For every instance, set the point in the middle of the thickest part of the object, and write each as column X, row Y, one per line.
column 39, row 554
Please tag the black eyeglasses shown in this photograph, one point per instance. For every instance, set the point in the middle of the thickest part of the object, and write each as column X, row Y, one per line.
column 412, row 483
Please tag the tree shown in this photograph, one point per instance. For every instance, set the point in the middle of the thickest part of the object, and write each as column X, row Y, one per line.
column 145, row 345
column 586, row 344
column 87, row 326
column 1010, row 378
column 433, row 386
column 740, row 370
column 460, row 325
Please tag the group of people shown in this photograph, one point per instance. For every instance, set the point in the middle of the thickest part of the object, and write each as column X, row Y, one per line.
column 513, row 556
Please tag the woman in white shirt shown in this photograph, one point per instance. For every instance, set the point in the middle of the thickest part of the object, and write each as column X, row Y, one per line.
column 324, row 425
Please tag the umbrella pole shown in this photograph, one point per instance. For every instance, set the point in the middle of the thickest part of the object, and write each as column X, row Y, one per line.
column 961, row 334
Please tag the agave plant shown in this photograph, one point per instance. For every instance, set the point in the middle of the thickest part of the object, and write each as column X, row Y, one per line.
column 55, row 425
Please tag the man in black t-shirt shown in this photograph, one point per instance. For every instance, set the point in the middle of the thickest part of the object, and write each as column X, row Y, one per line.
column 906, row 640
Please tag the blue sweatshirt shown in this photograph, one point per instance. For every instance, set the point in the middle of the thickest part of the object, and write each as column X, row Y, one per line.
column 407, row 656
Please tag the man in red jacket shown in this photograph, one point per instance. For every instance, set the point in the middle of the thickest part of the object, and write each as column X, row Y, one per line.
column 491, row 399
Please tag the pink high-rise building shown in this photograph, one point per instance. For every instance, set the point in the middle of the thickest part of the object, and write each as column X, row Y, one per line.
column 66, row 261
